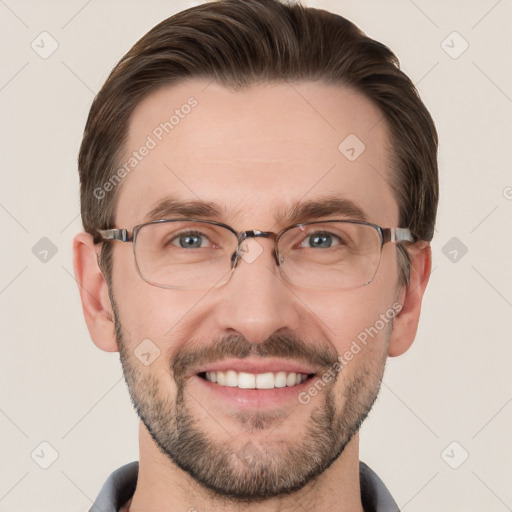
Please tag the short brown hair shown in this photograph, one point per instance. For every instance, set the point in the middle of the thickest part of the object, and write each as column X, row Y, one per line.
column 239, row 43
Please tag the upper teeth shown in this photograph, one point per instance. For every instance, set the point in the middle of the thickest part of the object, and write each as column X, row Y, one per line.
column 256, row 381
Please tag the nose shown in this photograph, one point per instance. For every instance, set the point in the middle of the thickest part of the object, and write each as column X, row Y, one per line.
column 256, row 302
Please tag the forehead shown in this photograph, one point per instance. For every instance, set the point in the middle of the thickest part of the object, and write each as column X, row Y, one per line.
column 257, row 152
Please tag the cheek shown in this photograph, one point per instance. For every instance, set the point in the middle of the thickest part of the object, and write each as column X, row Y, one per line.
column 142, row 312
column 346, row 316
column 165, row 317
column 358, row 322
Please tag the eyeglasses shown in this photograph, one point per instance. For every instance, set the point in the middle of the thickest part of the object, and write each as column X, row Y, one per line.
column 195, row 254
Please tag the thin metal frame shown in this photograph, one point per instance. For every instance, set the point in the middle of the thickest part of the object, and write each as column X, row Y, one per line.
column 121, row 234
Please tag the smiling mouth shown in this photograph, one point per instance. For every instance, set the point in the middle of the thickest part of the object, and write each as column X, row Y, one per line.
column 243, row 380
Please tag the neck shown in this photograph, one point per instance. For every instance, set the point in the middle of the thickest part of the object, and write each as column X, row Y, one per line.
column 164, row 487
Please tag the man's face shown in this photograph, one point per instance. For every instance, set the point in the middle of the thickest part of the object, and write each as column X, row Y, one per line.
column 255, row 154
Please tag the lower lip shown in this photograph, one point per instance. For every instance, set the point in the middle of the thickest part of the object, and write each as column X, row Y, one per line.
column 255, row 398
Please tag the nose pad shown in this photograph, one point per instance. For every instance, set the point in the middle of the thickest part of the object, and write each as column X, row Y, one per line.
column 235, row 258
column 278, row 259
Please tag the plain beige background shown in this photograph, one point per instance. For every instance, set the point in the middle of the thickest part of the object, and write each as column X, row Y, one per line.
column 449, row 396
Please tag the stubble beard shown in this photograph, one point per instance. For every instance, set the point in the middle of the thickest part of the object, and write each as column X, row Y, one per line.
column 253, row 472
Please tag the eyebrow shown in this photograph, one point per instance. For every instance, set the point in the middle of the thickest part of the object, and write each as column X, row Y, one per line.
column 302, row 211
column 327, row 206
column 172, row 206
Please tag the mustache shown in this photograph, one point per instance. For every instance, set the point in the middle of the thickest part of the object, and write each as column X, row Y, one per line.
column 322, row 355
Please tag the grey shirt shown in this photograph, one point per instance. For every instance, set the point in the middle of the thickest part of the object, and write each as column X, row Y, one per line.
column 120, row 486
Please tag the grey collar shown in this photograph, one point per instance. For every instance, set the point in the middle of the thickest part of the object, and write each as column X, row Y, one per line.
column 120, row 486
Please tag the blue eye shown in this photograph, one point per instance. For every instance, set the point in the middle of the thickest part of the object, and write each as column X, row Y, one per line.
column 190, row 240
column 321, row 240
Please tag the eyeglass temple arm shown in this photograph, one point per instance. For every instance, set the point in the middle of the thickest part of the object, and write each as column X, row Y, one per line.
column 397, row 235
column 115, row 234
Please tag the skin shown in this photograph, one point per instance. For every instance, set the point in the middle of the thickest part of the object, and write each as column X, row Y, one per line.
column 254, row 152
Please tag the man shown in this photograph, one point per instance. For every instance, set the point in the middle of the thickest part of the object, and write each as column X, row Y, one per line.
column 258, row 190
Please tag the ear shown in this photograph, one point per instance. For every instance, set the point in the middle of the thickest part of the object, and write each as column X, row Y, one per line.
column 405, row 323
column 93, row 289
